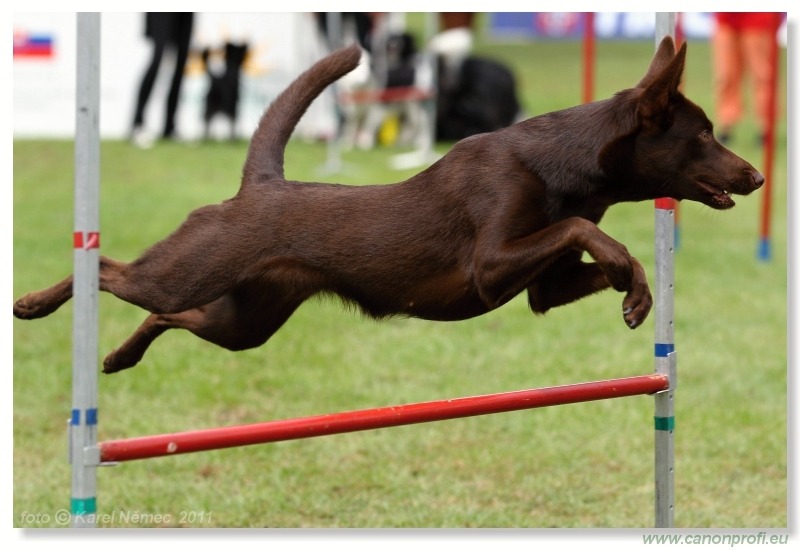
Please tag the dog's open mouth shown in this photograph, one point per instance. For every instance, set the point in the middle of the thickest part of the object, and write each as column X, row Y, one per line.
column 715, row 197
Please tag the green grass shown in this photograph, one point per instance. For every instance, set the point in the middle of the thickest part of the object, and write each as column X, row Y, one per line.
column 587, row 465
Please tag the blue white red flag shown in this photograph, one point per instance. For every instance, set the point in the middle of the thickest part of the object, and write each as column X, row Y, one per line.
column 33, row 45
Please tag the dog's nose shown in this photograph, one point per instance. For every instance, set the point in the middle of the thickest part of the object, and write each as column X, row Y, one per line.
column 758, row 179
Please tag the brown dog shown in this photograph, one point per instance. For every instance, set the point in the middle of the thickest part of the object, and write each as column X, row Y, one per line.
column 501, row 213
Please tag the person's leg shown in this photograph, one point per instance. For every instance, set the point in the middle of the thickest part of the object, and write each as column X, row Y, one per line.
column 146, row 86
column 182, row 37
column 756, row 50
column 727, row 61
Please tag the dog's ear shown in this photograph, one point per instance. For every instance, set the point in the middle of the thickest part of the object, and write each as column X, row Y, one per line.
column 664, row 54
column 661, row 84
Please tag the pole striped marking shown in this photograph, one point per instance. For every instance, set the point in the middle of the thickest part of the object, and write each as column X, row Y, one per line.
column 665, row 203
column 90, row 416
column 83, row 506
column 663, row 350
column 86, row 240
column 664, row 423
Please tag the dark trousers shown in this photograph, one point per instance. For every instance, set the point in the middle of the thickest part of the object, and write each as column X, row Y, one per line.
column 166, row 30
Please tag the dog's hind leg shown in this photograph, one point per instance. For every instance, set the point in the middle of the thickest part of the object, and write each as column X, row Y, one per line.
column 42, row 303
column 235, row 322
column 193, row 266
column 114, row 277
column 145, row 283
column 132, row 350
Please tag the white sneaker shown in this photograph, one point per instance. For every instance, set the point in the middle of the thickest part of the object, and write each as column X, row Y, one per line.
column 142, row 139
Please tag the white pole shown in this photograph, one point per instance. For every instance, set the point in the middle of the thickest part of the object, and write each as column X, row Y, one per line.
column 665, row 358
column 84, row 453
column 333, row 164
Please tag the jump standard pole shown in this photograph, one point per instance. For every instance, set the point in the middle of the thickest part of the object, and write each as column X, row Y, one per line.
column 588, row 56
column 765, row 240
column 665, row 355
column 83, row 451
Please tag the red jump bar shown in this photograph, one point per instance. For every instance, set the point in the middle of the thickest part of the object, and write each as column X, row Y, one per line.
column 388, row 95
column 369, row 419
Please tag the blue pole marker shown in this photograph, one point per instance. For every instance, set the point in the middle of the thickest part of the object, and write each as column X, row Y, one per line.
column 764, row 249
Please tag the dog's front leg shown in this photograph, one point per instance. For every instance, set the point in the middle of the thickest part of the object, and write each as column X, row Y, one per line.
column 566, row 282
column 558, row 287
column 505, row 268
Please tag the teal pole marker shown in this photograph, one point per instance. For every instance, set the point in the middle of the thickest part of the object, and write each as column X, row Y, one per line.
column 665, row 423
column 83, row 506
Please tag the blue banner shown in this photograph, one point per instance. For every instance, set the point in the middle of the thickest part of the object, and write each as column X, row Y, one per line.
column 607, row 25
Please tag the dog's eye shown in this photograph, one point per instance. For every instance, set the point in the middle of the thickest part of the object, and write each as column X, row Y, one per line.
column 705, row 135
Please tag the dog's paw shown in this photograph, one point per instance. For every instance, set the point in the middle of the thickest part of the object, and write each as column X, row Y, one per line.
column 638, row 301
column 635, row 316
column 636, row 306
column 30, row 307
column 118, row 360
column 22, row 309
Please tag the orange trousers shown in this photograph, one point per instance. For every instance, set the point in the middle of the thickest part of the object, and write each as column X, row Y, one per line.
column 735, row 53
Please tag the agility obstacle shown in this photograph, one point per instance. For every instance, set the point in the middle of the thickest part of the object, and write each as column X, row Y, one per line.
column 372, row 419
column 765, row 226
column 86, row 454
column 588, row 57
column 86, row 239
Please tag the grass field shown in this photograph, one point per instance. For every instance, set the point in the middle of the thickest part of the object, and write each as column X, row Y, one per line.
column 587, row 465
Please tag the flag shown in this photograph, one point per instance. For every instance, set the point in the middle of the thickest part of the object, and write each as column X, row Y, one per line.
column 29, row 45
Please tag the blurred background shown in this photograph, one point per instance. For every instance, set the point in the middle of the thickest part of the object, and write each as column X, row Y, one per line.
column 278, row 46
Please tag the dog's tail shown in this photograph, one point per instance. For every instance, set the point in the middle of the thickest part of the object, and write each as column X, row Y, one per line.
column 265, row 156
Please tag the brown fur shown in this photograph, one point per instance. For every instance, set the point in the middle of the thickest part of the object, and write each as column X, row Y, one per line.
column 501, row 213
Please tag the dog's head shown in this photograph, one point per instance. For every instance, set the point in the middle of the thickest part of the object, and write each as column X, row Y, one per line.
column 673, row 147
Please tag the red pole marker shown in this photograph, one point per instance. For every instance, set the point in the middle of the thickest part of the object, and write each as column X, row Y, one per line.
column 86, row 240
